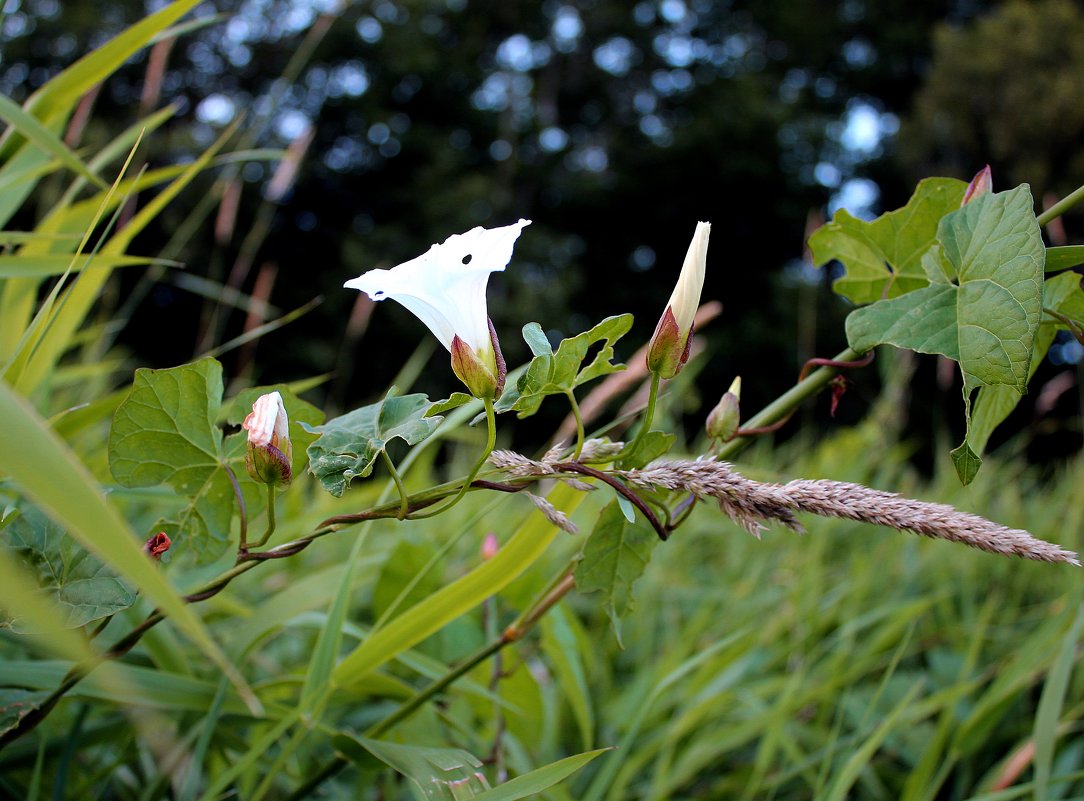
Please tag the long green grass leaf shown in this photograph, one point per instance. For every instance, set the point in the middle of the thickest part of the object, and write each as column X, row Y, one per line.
column 44, row 139
column 1050, row 707
column 62, row 92
column 540, row 779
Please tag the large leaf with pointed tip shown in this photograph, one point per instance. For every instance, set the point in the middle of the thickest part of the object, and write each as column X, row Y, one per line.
column 614, row 556
column 167, row 431
column 883, row 258
column 76, row 582
column 349, row 445
column 1062, row 294
column 986, row 312
column 551, row 373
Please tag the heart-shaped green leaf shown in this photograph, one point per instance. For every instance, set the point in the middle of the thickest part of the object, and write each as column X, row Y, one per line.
column 614, row 556
column 987, row 312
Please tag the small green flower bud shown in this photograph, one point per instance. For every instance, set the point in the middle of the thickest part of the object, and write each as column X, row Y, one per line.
column 723, row 420
column 269, row 451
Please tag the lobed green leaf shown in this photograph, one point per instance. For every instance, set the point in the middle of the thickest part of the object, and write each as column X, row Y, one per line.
column 349, row 445
column 551, row 373
column 883, row 258
column 983, row 313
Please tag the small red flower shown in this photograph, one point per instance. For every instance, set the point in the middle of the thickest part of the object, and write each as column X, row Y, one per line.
column 157, row 545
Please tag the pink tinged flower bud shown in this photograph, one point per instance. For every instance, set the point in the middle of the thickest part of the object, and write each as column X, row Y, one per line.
column 269, row 450
column 490, row 546
column 669, row 347
column 981, row 184
column 724, row 419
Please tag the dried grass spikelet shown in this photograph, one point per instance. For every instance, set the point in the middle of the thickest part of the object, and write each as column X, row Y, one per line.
column 553, row 514
column 751, row 504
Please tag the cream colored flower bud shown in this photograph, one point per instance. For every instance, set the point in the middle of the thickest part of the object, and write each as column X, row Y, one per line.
column 669, row 347
column 269, row 451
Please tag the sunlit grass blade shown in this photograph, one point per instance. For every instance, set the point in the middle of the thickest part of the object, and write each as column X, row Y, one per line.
column 1050, row 707
column 46, row 265
column 61, row 92
column 520, row 552
column 42, row 465
column 41, row 137
column 540, row 779
column 80, row 297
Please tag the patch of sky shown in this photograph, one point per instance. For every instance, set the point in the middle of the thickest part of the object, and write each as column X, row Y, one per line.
column 291, row 123
column 643, row 14
column 350, row 79
column 856, row 195
column 369, row 30
column 673, row 11
column 675, row 48
column 859, row 53
column 615, row 56
column 552, row 139
column 216, row 109
column 519, row 53
column 1066, row 350
column 642, row 259
column 567, row 29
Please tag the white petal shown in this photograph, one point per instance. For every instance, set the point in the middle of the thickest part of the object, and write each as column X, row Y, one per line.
column 686, row 298
column 445, row 287
column 268, row 420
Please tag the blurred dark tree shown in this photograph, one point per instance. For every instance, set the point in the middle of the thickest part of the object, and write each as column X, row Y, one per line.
column 614, row 126
column 1007, row 89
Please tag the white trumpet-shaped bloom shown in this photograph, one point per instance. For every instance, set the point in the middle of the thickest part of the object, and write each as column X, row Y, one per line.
column 445, row 287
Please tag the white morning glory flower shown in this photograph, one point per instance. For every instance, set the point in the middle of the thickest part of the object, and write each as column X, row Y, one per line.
column 445, row 287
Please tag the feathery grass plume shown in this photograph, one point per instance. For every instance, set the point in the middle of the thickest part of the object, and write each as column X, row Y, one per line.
column 600, row 450
column 751, row 503
column 553, row 514
column 518, row 465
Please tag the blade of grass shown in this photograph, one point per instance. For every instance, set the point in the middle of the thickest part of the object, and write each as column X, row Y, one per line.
column 540, row 779
column 81, row 296
column 44, row 139
column 1050, row 707
column 63, row 91
column 859, row 760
